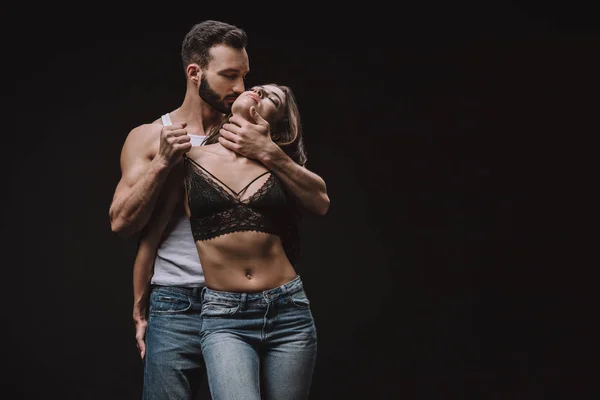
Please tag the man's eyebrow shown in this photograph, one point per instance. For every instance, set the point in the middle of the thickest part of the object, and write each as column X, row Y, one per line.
column 229, row 70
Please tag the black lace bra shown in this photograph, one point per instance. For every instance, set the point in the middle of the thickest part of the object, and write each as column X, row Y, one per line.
column 216, row 211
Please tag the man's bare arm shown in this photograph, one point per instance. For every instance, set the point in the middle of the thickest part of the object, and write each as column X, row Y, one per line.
column 143, row 267
column 144, row 172
column 308, row 187
column 253, row 140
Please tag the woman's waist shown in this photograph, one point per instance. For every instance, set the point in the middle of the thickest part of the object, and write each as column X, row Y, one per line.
column 241, row 246
column 250, row 275
column 290, row 286
column 240, row 283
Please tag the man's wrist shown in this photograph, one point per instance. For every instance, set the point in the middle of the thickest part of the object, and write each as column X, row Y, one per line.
column 161, row 164
column 270, row 154
column 140, row 310
column 139, row 315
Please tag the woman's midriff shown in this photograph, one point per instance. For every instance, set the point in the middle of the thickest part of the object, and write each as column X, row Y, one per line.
column 244, row 262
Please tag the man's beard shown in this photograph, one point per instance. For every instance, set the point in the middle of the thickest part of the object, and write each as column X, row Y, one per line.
column 211, row 97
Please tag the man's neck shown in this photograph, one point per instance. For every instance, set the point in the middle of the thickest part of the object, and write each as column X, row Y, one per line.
column 199, row 115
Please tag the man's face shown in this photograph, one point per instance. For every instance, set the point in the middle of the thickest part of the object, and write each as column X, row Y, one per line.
column 223, row 80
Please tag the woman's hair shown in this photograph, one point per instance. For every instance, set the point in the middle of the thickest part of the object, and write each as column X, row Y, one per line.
column 286, row 132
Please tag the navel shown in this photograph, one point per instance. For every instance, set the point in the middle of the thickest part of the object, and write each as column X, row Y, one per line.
column 248, row 273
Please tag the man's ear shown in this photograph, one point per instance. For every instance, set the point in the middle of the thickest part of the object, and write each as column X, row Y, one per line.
column 194, row 73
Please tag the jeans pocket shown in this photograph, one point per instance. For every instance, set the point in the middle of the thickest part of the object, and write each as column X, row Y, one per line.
column 218, row 308
column 163, row 303
column 299, row 300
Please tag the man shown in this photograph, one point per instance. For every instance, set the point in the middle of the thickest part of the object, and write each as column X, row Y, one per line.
column 167, row 299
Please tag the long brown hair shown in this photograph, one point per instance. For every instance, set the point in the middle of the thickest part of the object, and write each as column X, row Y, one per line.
column 285, row 132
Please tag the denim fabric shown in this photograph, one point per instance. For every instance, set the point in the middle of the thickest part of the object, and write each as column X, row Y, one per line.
column 259, row 343
column 173, row 365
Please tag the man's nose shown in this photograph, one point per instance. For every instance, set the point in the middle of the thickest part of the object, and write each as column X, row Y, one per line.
column 239, row 86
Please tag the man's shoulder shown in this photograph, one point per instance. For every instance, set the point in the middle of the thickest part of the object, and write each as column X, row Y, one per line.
column 146, row 129
column 143, row 138
column 145, row 133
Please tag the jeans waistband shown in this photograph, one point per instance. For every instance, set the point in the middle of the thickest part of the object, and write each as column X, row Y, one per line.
column 293, row 286
column 193, row 292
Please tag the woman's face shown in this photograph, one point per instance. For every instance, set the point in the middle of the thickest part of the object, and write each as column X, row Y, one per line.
column 268, row 100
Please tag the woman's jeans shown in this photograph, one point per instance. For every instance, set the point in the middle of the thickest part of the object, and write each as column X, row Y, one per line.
column 259, row 343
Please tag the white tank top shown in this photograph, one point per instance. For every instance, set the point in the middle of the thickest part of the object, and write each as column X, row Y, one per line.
column 177, row 262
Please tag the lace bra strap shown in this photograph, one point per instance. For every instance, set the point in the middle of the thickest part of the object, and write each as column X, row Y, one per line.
column 208, row 172
column 251, row 182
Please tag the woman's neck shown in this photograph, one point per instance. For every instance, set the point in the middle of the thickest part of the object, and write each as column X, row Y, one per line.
column 219, row 150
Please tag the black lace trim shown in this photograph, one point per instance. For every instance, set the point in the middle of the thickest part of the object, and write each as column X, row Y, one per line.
column 207, row 178
column 224, row 213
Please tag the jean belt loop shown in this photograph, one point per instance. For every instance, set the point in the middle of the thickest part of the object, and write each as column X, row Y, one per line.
column 243, row 301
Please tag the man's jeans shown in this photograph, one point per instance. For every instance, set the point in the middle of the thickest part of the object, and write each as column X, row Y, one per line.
column 173, row 365
column 259, row 343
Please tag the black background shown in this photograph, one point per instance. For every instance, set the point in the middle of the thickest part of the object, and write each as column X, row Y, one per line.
column 455, row 140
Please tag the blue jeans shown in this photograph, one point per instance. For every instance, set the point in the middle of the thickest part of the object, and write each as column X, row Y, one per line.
column 173, row 365
column 259, row 343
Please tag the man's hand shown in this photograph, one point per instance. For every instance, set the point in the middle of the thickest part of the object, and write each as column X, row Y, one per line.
column 247, row 138
column 253, row 140
column 141, row 323
column 174, row 141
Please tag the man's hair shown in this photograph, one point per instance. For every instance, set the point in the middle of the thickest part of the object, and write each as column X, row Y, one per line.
column 207, row 34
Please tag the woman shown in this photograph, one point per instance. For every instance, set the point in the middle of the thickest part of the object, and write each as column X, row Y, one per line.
column 258, row 335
